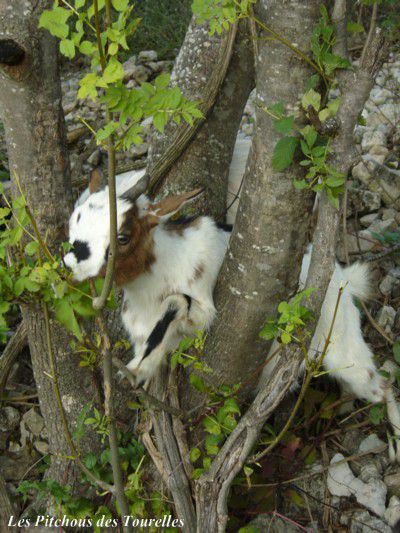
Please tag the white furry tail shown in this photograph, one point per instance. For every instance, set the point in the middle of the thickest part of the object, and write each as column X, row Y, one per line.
column 358, row 277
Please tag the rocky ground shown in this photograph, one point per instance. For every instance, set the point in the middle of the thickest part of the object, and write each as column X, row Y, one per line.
column 362, row 493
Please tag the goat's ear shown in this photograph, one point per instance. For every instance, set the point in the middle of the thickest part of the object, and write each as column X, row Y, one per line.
column 172, row 204
column 96, row 181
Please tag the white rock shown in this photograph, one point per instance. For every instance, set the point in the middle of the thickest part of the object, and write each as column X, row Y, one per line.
column 385, row 317
column 361, row 172
column 372, row 496
column 367, row 220
column 371, row 443
column 340, row 477
column 147, row 55
column 392, row 513
column 372, row 138
column 387, row 285
column 33, row 421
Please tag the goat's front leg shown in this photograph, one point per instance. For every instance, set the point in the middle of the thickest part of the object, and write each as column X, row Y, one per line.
column 164, row 338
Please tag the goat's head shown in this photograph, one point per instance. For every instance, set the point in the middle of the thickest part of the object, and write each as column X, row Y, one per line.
column 137, row 218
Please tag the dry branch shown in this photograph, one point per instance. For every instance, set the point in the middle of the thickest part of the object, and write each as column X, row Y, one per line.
column 14, row 347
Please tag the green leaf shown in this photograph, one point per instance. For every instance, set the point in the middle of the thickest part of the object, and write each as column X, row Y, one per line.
column 55, row 21
column 284, row 153
column 67, row 48
column 120, row 5
column 114, row 71
column 66, row 316
column 396, row 351
column 194, row 454
column 31, row 248
column 87, row 48
column 377, row 414
column 88, row 86
column 113, row 49
column 311, row 98
column 355, row 27
column 197, row 382
column 300, row 184
column 335, row 181
column 286, row 337
column 310, row 135
column 211, row 425
column 90, row 460
column 284, row 125
column 211, row 443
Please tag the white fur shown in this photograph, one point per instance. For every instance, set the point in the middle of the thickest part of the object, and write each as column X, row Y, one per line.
column 200, row 249
column 348, row 358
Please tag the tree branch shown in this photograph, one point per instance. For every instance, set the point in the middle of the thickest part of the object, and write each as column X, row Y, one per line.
column 213, row 487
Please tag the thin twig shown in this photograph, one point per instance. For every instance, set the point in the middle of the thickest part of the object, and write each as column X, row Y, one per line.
column 102, row 484
column 109, row 412
column 100, row 301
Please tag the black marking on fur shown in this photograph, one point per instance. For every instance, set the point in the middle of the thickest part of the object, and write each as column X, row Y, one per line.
column 181, row 222
column 78, row 218
column 189, row 301
column 81, row 250
column 159, row 330
column 225, row 227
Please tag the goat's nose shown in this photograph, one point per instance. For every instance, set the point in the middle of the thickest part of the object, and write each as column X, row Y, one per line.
column 69, row 260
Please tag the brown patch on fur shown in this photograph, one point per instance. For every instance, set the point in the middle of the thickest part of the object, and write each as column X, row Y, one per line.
column 137, row 256
column 195, row 222
column 96, row 181
column 125, row 306
column 173, row 203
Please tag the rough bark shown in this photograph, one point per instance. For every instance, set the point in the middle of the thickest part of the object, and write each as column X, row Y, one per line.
column 30, row 107
column 262, row 264
column 6, row 508
column 205, row 162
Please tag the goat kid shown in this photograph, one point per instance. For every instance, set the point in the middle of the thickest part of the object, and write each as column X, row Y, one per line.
column 167, row 268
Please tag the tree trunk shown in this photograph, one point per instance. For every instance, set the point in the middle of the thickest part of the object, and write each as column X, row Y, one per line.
column 263, row 261
column 30, row 106
column 205, row 162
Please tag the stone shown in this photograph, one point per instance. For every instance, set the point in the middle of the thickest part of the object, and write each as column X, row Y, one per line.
column 385, row 317
column 381, row 226
column 372, row 138
column 94, row 158
column 147, row 55
column 9, row 419
column 367, row 220
column 392, row 513
column 369, row 472
column 388, row 284
column 340, row 477
column 363, row 522
column 342, row 482
column 392, row 481
column 371, row 443
column 33, row 421
column 365, row 201
column 41, row 446
column 139, row 150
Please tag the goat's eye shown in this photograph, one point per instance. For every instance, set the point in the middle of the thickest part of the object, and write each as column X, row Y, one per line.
column 123, row 239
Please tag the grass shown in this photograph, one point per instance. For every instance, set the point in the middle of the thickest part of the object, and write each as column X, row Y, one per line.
column 163, row 26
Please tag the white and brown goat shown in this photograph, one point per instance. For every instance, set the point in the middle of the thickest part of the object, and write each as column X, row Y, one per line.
column 167, row 268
